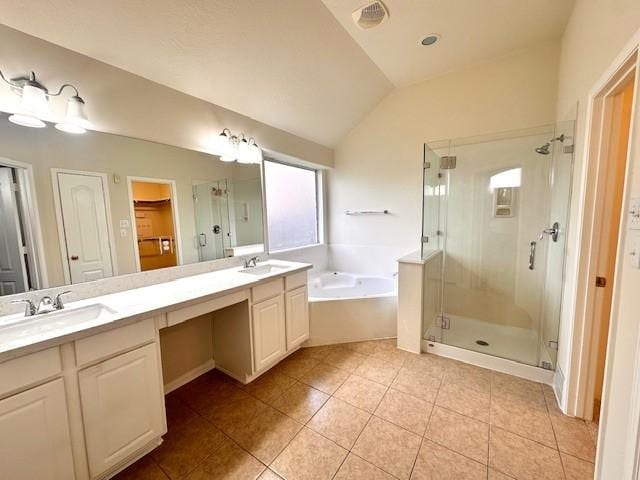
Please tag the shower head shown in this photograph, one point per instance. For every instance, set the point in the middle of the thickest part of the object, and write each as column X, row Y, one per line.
column 544, row 149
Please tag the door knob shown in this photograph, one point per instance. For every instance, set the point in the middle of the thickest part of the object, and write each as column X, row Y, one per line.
column 74, row 257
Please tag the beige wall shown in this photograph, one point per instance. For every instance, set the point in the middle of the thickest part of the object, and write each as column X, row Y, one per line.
column 48, row 148
column 186, row 347
column 596, row 33
column 124, row 103
column 379, row 164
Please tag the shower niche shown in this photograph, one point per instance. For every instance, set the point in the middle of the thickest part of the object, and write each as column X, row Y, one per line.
column 493, row 279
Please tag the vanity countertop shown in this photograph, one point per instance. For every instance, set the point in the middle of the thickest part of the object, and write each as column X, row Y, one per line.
column 20, row 335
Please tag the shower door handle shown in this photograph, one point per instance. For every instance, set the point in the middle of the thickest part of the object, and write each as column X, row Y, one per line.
column 203, row 240
column 532, row 255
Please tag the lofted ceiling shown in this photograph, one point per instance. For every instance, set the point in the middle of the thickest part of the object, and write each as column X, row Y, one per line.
column 298, row 65
column 471, row 31
column 287, row 63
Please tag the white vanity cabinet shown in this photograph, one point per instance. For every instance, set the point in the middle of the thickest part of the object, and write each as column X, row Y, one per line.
column 269, row 342
column 34, row 434
column 297, row 315
column 122, row 407
column 280, row 318
column 121, row 393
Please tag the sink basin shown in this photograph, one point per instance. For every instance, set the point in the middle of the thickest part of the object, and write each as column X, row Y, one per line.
column 60, row 320
column 263, row 269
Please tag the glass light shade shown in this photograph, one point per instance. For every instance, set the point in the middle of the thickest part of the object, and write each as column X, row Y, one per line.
column 227, row 158
column 71, row 128
column 76, row 120
column 255, row 154
column 221, row 145
column 32, row 107
column 34, row 101
column 244, row 154
column 506, row 179
column 26, row 120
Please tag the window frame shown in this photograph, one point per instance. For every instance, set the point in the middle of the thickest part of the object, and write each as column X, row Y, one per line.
column 320, row 205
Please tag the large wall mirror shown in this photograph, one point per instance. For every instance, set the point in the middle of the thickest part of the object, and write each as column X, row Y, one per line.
column 76, row 208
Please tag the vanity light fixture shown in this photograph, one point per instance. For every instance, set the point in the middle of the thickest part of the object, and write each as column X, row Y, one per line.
column 34, row 106
column 233, row 148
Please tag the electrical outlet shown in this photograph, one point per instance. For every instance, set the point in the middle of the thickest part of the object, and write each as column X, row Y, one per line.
column 634, row 214
column 124, row 232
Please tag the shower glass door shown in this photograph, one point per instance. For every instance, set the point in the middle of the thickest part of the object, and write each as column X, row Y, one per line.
column 501, row 274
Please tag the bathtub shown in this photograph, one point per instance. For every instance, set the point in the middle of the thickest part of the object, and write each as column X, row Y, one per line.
column 349, row 307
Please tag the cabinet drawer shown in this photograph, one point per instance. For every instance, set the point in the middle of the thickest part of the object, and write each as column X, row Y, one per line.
column 296, row 280
column 193, row 311
column 267, row 290
column 28, row 370
column 114, row 341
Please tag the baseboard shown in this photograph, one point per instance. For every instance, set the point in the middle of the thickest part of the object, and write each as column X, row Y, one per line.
column 134, row 458
column 320, row 343
column 483, row 360
column 189, row 376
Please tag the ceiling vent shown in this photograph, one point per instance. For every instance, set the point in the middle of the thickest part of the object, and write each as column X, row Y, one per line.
column 370, row 15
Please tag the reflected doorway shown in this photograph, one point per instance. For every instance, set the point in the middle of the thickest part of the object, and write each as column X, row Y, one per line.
column 154, row 210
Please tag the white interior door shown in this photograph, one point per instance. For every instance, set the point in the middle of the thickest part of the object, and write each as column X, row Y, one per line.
column 85, row 223
column 13, row 272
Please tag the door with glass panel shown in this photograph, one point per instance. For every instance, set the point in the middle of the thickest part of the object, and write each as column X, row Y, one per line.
column 432, row 243
column 501, row 224
column 210, row 200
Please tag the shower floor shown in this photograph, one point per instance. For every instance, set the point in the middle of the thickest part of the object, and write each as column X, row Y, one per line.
column 513, row 343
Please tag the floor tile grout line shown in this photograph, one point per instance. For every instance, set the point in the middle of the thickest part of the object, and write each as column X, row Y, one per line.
column 415, row 461
column 444, row 379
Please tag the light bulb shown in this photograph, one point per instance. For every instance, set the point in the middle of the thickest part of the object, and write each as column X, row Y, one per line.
column 26, row 120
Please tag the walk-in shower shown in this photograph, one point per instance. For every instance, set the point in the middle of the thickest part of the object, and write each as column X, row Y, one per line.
column 495, row 213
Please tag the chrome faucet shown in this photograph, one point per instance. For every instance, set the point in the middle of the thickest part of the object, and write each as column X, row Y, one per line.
column 29, row 308
column 251, row 262
column 45, row 305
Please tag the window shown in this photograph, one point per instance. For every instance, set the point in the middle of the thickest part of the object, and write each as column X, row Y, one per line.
column 292, row 205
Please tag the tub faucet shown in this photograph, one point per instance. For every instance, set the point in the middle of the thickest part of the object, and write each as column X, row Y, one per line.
column 251, row 262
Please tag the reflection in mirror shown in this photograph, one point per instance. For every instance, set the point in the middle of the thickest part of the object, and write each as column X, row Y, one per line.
column 154, row 212
column 229, row 217
column 81, row 208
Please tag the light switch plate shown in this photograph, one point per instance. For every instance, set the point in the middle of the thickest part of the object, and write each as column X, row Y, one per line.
column 634, row 214
column 124, row 223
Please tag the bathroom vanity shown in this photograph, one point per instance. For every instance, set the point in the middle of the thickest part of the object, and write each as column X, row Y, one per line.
column 81, row 389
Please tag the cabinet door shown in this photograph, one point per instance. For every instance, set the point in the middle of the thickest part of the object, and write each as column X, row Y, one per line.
column 34, row 435
column 297, row 317
column 269, row 342
column 122, row 406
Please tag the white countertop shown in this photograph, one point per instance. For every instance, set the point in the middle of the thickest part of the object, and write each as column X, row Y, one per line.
column 20, row 335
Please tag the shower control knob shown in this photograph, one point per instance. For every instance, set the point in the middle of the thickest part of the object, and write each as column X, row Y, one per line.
column 553, row 232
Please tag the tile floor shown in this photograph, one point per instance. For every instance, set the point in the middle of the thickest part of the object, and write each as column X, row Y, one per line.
column 368, row 411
